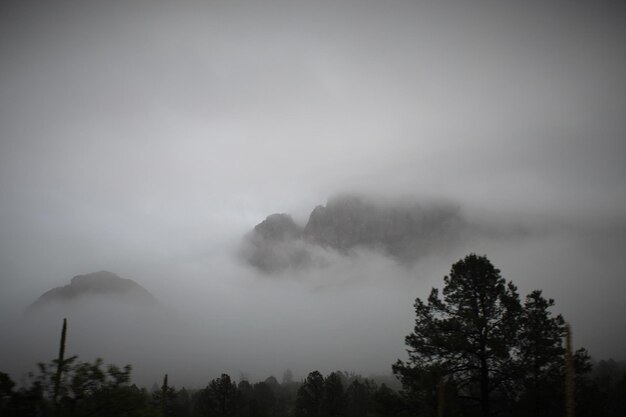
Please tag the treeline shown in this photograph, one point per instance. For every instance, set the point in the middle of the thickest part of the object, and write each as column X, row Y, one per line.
column 477, row 350
column 92, row 389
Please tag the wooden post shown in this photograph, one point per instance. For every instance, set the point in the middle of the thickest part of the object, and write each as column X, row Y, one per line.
column 569, row 373
column 60, row 363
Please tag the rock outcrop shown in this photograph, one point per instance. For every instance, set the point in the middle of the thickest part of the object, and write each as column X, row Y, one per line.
column 277, row 227
column 403, row 231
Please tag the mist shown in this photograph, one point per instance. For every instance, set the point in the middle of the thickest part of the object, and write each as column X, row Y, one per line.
column 147, row 139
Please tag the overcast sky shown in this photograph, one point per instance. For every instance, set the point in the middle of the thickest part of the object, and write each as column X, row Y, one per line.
column 146, row 138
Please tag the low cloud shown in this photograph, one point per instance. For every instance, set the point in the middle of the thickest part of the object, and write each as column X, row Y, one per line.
column 348, row 223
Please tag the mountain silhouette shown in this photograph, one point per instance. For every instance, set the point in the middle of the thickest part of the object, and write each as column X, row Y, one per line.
column 403, row 231
column 94, row 284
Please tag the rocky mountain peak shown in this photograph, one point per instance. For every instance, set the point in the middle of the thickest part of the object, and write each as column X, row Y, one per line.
column 402, row 230
column 279, row 227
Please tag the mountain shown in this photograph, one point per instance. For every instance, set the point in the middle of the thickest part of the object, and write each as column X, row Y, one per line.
column 277, row 227
column 95, row 284
column 275, row 244
column 401, row 230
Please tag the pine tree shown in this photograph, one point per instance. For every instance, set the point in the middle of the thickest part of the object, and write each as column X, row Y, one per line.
column 540, row 351
column 164, row 392
column 334, row 396
column 489, row 348
column 219, row 398
column 310, row 397
column 468, row 335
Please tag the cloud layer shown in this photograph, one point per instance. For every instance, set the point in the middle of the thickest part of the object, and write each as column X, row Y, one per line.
column 403, row 231
column 146, row 138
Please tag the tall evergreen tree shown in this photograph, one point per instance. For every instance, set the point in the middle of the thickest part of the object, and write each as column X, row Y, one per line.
column 489, row 348
column 219, row 398
column 310, row 397
column 540, row 354
column 164, row 389
column 357, row 399
column 468, row 335
column 264, row 399
column 334, row 396
column 165, row 399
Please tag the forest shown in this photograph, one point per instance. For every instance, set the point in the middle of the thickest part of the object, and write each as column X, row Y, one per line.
column 477, row 349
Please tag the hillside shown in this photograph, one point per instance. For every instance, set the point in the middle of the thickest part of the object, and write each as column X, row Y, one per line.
column 94, row 284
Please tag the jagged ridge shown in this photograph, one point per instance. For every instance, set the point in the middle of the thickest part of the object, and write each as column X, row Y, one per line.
column 404, row 231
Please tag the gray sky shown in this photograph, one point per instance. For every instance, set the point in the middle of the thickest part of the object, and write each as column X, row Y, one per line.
column 146, row 138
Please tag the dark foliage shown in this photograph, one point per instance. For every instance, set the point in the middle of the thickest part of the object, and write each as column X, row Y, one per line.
column 218, row 399
column 476, row 350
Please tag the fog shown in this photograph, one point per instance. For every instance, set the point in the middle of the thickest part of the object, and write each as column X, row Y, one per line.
column 148, row 138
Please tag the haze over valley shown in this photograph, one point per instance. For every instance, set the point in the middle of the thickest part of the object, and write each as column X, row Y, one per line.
column 248, row 188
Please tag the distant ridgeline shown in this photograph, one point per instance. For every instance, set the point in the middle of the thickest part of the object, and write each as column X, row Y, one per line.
column 94, row 284
column 403, row 231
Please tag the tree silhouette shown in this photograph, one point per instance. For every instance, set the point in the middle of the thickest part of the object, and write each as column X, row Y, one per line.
column 310, row 397
column 357, row 399
column 477, row 344
column 540, row 357
column 468, row 335
column 219, row 398
column 264, row 399
column 165, row 399
column 287, row 376
column 387, row 403
column 334, row 396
